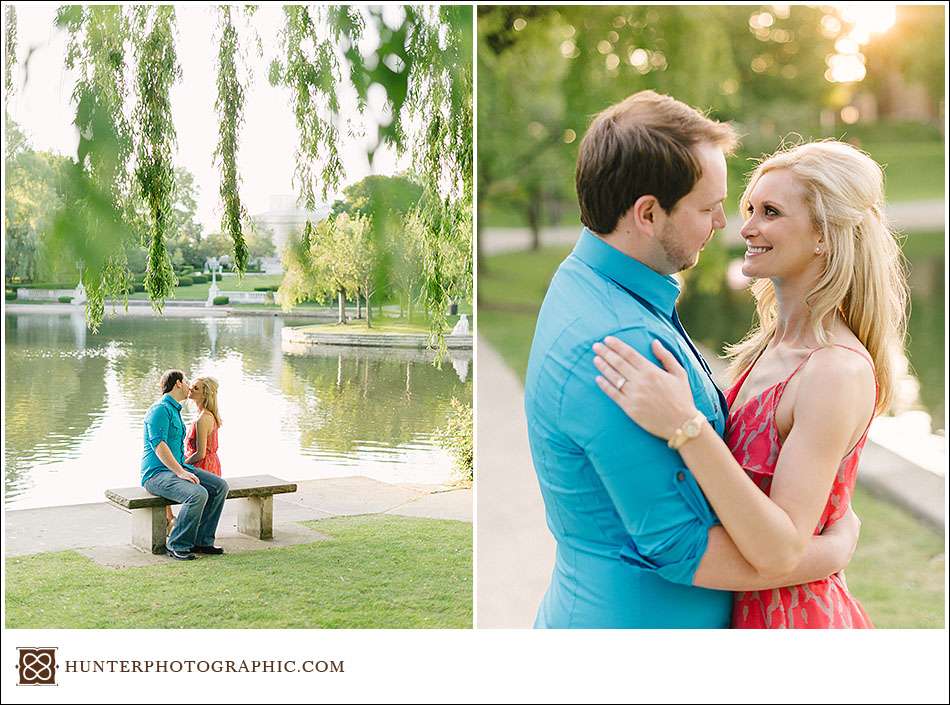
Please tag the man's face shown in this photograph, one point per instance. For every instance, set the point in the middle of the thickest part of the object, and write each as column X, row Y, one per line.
column 184, row 388
column 691, row 223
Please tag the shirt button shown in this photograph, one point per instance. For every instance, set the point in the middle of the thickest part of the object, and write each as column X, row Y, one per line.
column 680, row 476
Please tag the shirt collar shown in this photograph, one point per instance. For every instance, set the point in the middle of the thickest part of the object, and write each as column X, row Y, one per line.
column 168, row 398
column 659, row 290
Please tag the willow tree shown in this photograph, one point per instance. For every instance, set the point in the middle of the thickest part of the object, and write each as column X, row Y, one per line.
column 230, row 108
column 423, row 63
column 9, row 58
column 157, row 71
column 92, row 227
column 120, row 190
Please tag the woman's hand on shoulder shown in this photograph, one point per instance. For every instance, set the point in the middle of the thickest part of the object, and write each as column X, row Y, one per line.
column 658, row 399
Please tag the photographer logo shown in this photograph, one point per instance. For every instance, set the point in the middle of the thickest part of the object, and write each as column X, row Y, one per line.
column 37, row 666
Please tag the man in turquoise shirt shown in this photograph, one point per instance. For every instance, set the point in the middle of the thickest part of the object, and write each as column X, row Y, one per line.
column 631, row 524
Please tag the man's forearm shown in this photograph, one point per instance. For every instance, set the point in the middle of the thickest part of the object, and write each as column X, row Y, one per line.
column 724, row 568
column 165, row 454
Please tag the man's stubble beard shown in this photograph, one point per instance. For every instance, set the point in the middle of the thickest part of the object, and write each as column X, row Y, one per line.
column 678, row 257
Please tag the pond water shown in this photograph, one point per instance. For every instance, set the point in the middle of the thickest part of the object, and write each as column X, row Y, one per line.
column 75, row 403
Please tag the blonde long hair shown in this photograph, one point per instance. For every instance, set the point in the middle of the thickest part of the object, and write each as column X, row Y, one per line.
column 864, row 276
column 209, row 389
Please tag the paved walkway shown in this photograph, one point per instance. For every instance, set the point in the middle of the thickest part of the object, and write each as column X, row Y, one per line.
column 515, row 550
column 907, row 217
column 101, row 531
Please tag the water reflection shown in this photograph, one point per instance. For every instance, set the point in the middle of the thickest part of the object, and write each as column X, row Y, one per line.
column 74, row 405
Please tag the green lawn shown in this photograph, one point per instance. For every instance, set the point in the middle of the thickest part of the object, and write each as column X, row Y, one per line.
column 381, row 326
column 227, row 282
column 377, row 571
column 898, row 570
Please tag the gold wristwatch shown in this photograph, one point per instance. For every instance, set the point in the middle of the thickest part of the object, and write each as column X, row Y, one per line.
column 687, row 432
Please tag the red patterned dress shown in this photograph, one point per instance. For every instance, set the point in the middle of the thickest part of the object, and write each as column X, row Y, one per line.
column 210, row 462
column 752, row 436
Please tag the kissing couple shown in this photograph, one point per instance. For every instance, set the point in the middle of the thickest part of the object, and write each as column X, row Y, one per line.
column 194, row 481
column 672, row 503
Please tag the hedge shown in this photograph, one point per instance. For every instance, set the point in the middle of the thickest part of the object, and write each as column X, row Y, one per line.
column 220, row 300
column 185, row 281
column 65, row 299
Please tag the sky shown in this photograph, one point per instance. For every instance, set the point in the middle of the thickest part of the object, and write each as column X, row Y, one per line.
column 42, row 106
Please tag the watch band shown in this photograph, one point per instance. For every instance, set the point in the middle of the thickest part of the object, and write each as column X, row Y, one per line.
column 688, row 431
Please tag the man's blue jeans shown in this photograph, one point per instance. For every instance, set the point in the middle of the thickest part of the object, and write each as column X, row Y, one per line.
column 201, row 506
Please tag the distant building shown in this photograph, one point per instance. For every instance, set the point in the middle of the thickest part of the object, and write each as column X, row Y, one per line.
column 285, row 219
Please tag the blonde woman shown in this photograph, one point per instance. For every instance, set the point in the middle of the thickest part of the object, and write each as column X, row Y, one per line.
column 831, row 300
column 201, row 442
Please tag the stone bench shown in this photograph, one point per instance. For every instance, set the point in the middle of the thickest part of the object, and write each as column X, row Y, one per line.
column 255, row 515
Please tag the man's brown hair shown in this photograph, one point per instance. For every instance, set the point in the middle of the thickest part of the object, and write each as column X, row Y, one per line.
column 642, row 146
column 170, row 379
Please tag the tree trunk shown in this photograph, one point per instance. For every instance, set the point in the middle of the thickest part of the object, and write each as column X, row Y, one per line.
column 341, row 307
column 534, row 220
column 359, row 305
column 479, row 241
column 369, row 315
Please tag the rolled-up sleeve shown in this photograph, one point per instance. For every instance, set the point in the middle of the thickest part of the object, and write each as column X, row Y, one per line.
column 157, row 424
column 664, row 513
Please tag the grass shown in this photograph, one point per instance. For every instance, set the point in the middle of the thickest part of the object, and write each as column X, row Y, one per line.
column 227, row 282
column 382, row 326
column 898, row 569
column 510, row 290
column 377, row 571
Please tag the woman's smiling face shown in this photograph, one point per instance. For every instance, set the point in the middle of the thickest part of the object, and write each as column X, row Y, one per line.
column 781, row 239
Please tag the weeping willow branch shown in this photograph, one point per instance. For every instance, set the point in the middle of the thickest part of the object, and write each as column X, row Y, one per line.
column 97, row 190
column 311, row 70
column 230, row 107
column 157, row 70
column 10, row 55
column 424, row 64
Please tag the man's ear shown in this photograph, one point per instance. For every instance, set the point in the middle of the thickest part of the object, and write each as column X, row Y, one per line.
column 642, row 214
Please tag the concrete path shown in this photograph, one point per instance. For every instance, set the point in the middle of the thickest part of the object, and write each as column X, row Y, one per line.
column 907, row 217
column 515, row 550
column 101, row 531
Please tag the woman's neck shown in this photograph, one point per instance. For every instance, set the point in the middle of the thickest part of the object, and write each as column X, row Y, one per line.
column 793, row 324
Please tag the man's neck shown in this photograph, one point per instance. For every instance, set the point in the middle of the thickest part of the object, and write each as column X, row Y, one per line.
column 627, row 244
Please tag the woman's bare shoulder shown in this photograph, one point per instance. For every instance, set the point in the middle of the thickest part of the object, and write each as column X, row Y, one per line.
column 840, row 376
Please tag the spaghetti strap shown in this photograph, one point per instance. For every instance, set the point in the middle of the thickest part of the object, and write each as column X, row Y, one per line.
column 866, row 357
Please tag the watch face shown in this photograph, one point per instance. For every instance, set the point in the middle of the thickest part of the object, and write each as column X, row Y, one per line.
column 692, row 428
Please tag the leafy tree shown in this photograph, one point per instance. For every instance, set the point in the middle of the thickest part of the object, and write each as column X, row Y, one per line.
column 185, row 232
column 32, row 199
column 406, row 250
